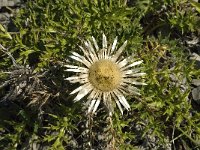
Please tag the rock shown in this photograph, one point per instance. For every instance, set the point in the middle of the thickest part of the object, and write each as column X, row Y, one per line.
column 5, row 3
column 196, row 82
column 4, row 18
column 196, row 94
column 195, row 56
column 8, row 9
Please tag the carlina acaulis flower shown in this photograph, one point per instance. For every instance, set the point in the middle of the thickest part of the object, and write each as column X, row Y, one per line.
column 105, row 75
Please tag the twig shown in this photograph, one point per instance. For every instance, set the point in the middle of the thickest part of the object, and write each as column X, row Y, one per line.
column 3, row 49
column 5, row 84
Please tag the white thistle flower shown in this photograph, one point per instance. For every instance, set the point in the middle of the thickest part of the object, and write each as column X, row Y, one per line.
column 104, row 75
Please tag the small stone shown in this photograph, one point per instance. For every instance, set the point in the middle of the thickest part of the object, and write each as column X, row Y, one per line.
column 195, row 56
column 196, row 94
column 5, row 3
column 196, row 82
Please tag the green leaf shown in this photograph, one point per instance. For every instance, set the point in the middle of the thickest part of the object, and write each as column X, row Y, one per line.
column 2, row 28
column 196, row 5
column 27, row 52
column 5, row 34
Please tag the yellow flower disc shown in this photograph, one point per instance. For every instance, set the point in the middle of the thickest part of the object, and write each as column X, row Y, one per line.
column 105, row 75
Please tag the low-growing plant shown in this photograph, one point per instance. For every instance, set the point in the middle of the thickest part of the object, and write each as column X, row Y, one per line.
column 36, row 108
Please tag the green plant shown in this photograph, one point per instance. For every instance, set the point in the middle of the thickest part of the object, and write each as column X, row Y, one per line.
column 36, row 109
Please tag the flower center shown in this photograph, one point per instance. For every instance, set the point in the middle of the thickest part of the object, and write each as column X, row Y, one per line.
column 105, row 75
